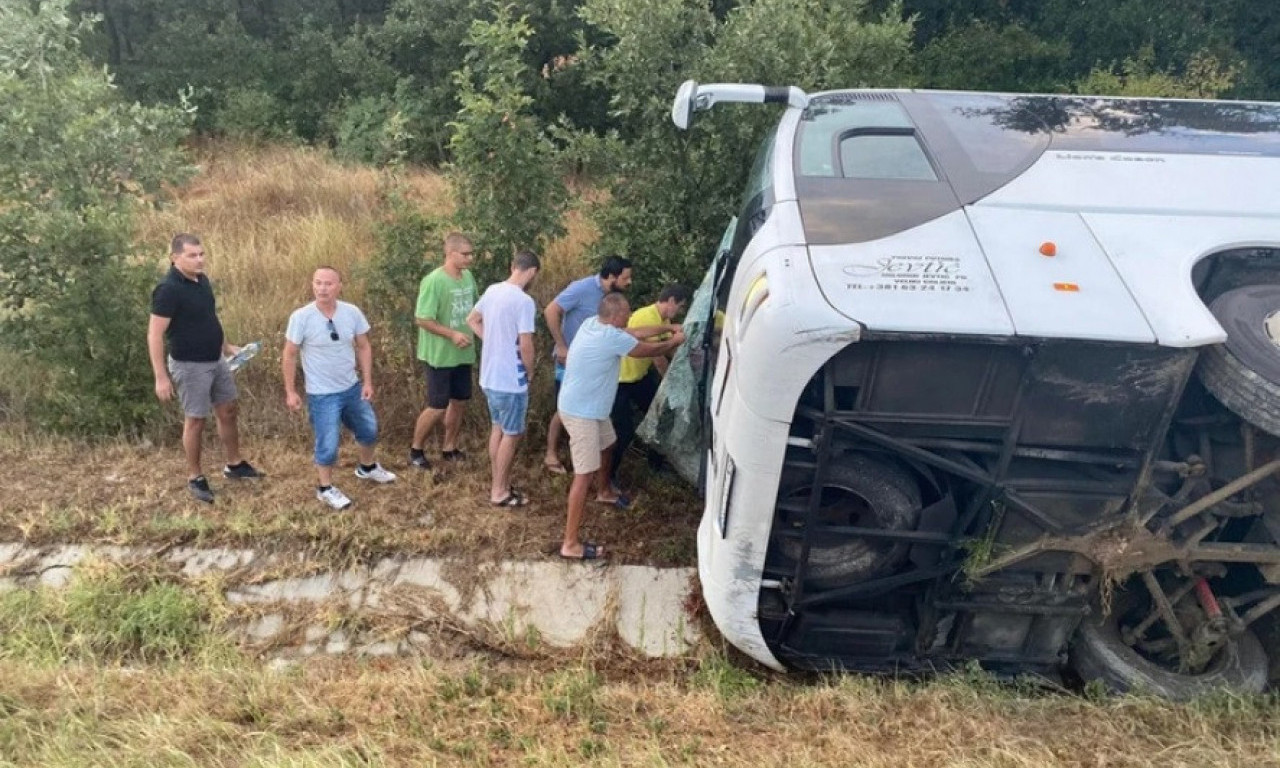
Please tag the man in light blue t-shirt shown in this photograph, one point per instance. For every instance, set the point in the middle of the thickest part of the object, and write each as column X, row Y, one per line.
column 584, row 403
column 565, row 314
column 332, row 336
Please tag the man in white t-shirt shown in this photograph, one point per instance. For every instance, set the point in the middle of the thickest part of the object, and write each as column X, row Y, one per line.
column 585, row 400
column 332, row 336
column 503, row 321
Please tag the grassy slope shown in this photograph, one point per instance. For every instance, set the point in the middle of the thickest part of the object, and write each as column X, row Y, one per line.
column 399, row 712
column 268, row 217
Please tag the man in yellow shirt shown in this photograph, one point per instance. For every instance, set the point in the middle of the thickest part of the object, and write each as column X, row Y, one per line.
column 638, row 378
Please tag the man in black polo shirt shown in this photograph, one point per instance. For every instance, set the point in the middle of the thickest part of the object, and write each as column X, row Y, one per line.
column 182, row 308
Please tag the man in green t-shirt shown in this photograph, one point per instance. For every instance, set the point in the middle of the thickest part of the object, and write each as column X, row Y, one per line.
column 446, row 347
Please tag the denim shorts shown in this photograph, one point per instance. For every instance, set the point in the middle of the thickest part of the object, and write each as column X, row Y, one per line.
column 508, row 410
column 329, row 413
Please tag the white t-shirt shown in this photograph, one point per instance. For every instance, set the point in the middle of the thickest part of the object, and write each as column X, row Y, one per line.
column 328, row 366
column 507, row 312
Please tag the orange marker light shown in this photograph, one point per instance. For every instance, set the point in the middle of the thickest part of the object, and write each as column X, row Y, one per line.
column 1067, row 287
column 1048, row 248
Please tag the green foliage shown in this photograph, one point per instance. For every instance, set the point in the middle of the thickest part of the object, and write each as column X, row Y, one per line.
column 253, row 114
column 408, row 242
column 671, row 192
column 1204, row 77
column 505, row 170
column 75, row 163
column 109, row 614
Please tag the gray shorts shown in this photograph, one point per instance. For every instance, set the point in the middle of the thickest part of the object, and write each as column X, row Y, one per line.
column 201, row 386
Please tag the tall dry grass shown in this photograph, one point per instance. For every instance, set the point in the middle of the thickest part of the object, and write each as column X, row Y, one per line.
column 268, row 216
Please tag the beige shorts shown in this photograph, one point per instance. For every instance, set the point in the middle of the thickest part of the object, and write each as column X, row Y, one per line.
column 587, row 438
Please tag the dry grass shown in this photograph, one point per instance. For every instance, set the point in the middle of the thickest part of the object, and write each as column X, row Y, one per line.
column 124, row 493
column 488, row 712
column 268, row 216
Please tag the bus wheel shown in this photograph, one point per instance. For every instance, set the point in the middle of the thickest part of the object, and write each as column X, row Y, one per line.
column 1244, row 373
column 1124, row 655
column 858, row 491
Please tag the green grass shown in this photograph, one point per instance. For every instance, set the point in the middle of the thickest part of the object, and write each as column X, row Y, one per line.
column 109, row 614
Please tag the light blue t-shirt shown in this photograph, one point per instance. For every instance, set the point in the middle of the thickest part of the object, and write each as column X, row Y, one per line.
column 328, row 366
column 579, row 300
column 591, row 373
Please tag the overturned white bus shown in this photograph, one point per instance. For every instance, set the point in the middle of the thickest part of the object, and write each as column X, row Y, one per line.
column 999, row 380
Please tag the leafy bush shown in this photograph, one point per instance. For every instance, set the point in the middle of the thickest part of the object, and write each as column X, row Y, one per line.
column 408, row 238
column 672, row 192
column 253, row 114
column 505, row 170
column 75, row 164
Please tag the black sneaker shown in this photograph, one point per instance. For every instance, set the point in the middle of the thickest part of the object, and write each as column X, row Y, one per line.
column 454, row 455
column 419, row 460
column 199, row 489
column 242, row 471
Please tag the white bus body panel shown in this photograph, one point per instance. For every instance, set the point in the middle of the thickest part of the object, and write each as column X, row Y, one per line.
column 1074, row 292
column 933, row 278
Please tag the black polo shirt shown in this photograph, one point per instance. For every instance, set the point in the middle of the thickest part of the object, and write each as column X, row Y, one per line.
column 195, row 335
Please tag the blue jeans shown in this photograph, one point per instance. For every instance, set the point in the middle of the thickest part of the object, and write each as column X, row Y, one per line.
column 507, row 410
column 329, row 413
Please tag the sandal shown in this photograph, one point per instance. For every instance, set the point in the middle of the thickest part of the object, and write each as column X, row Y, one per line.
column 555, row 468
column 513, row 500
column 590, row 551
column 621, row 502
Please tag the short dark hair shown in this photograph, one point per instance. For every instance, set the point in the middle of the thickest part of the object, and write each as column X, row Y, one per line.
column 611, row 305
column 526, row 260
column 674, row 291
column 613, row 266
column 181, row 241
column 334, row 270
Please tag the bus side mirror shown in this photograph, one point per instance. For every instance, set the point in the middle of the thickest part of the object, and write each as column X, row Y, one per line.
column 682, row 108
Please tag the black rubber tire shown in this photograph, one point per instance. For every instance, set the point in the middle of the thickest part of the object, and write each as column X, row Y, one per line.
column 892, row 498
column 1244, row 373
column 1099, row 653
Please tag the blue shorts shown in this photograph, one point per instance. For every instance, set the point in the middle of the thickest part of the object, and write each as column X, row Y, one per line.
column 508, row 410
column 329, row 413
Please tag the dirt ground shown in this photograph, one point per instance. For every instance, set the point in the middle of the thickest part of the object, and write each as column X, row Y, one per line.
column 122, row 493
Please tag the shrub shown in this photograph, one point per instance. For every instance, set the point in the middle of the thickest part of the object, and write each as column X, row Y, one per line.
column 505, row 168
column 75, row 164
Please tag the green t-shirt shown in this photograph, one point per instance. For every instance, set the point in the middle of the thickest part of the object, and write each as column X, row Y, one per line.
column 448, row 302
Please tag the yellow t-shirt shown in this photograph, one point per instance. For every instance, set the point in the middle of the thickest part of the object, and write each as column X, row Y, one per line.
column 634, row 368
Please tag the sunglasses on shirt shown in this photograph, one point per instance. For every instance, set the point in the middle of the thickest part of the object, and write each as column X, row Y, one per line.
column 333, row 332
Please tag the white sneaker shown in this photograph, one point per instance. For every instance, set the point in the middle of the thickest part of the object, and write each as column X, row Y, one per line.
column 333, row 497
column 377, row 474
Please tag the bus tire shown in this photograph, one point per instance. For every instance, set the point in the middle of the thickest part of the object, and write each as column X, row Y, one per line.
column 1244, row 373
column 890, row 499
column 1098, row 652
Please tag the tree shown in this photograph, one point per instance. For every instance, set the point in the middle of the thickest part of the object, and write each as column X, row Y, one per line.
column 75, row 163
column 505, row 169
column 672, row 192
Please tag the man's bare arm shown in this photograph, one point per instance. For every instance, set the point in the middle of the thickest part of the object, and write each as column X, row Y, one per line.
column 156, row 326
column 476, row 322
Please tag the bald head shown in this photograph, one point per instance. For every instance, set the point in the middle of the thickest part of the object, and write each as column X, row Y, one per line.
column 614, row 310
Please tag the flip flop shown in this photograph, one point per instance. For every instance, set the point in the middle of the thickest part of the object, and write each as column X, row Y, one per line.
column 590, row 551
column 622, row 502
column 556, row 469
column 513, row 500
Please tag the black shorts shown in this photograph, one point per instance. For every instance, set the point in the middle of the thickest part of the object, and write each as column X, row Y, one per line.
column 445, row 384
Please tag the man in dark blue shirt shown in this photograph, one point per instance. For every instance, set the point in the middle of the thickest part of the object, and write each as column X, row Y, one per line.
column 182, row 308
